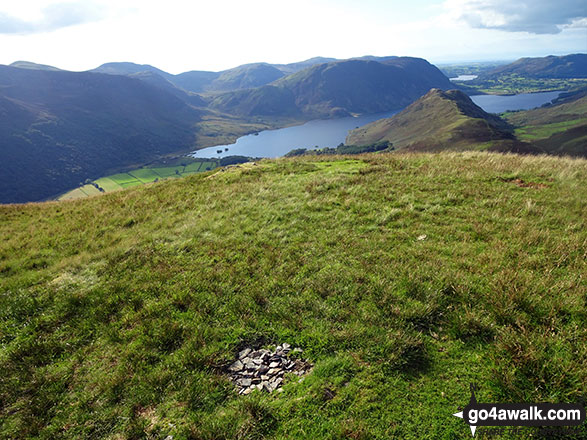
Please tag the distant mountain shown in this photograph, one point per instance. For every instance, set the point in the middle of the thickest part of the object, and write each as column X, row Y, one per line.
column 167, row 85
column 267, row 101
column 59, row 128
column 196, row 80
column 241, row 77
column 568, row 66
column 438, row 121
column 33, row 66
column 245, row 77
column 339, row 88
column 125, row 68
column 301, row 65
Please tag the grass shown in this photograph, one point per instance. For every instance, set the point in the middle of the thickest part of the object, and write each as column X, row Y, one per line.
column 119, row 311
column 534, row 132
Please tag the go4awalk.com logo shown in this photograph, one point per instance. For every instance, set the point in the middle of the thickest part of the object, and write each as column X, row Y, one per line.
column 477, row 414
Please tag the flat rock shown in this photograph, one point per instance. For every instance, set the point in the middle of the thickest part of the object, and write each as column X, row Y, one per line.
column 244, row 382
column 243, row 353
column 236, row 366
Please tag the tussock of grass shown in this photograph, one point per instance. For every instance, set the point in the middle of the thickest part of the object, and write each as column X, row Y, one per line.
column 119, row 311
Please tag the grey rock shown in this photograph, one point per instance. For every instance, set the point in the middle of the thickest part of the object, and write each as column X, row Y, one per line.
column 244, row 382
column 243, row 353
column 250, row 365
column 277, row 381
column 264, row 369
column 236, row 366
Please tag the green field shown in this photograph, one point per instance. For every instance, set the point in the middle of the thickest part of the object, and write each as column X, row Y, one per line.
column 507, row 84
column 107, row 184
column 403, row 277
column 145, row 175
column 175, row 168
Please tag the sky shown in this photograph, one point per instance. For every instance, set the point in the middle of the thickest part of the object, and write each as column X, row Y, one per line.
column 179, row 35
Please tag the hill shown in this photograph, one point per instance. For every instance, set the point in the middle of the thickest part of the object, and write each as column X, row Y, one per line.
column 529, row 75
column 241, row 77
column 126, row 68
column 339, row 88
column 437, row 121
column 567, row 66
column 245, row 77
column 60, row 128
column 33, row 66
column 403, row 278
column 560, row 128
column 301, row 65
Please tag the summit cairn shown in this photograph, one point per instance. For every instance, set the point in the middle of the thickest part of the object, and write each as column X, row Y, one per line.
column 264, row 369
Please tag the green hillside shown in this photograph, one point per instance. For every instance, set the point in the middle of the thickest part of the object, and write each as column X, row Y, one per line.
column 60, row 128
column 438, row 121
column 557, row 129
column 451, row 121
column 402, row 277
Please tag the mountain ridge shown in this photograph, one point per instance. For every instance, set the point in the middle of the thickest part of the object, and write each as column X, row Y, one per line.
column 439, row 120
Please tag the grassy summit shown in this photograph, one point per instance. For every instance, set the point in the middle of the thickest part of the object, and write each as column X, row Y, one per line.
column 403, row 278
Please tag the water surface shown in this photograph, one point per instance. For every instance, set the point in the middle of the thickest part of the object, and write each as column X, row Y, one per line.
column 464, row 78
column 521, row 101
column 276, row 143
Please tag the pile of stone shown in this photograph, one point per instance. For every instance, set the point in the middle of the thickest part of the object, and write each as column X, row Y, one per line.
column 264, row 369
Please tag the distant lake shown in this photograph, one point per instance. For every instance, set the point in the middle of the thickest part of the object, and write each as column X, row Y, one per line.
column 276, row 143
column 464, row 78
column 522, row 101
column 331, row 132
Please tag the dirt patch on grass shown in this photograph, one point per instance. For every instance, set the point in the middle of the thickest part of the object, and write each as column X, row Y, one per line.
column 523, row 184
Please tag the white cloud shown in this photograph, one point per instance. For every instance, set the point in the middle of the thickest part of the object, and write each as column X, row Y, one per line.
column 532, row 16
column 50, row 17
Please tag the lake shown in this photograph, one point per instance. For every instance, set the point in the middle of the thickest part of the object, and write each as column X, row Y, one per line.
column 464, row 78
column 331, row 132
column 276, row 143
column 522, row 101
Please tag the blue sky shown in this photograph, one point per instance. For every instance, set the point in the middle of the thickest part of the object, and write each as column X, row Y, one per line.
column 179, row 35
